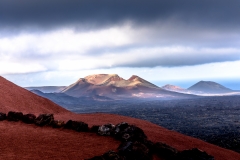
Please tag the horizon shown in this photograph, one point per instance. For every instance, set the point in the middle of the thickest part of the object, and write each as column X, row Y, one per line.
column 54, row 43
column 183, row 84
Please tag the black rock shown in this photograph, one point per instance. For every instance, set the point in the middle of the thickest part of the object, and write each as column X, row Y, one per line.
column 134, row 151
column 94, row 128
column 106, row 129
column 3, row 116
column 14, row 116
column 125, row 147
column 111, row 155
column 97, row 158
column 28, row 118
column 120, row 127
column 194, row 154
column 77, row 126
column 149, row 144
column 44, row 119
column 131, row 133
column 58, row 124
column 164, row 151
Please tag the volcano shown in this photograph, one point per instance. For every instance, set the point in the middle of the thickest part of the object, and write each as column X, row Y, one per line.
column 115, row 87
column 209, row 87
column 174, row 88
column 27, row 141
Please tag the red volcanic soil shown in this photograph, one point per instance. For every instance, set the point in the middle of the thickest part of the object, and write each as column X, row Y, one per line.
column 27, row 141
column 15, row 98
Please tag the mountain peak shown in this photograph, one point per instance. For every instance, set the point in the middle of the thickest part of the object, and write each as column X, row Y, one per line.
column 172, row 87
column 100, row 79
column 134, row 77
column 209, row 87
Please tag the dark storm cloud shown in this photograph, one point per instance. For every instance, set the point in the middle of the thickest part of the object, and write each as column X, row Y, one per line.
column 47, row 14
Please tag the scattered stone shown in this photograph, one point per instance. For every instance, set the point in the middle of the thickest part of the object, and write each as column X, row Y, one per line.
column 106, row 129
column 120, row 127
column 14, row 116
column 165, row 151
column 44, row 119
column 58, row 124
column 125, row 147
column 3, row 116
column 149, row 144
column 77, row 126
column 194, row 154
column 29, row 118
column 131, row 133
column 134, row 151
column 111, row 155
column 94, row 129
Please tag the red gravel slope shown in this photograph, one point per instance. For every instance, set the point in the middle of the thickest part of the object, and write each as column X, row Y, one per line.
column 16, row 98
column 23, row 141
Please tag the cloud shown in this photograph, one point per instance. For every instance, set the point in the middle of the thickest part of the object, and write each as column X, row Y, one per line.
column 158, row 75
column 173, row 56
column 45, row 14
column 85, row 36
column 122, row 46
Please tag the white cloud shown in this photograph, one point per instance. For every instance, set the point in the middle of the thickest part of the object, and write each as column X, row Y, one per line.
column 112, row 50
column 19, row 68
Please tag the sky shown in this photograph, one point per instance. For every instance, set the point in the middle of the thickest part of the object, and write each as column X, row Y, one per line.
column 56, row 42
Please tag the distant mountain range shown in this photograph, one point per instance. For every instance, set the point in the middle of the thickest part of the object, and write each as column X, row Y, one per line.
column 100, row 89
column 105, row 87
column 47, row 89
column 203, row 88
column 115, row 87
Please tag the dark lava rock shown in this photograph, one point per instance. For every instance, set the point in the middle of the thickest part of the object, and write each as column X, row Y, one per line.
column 77, row 126
column 44, row 119
column 106, row 129
column 28, row 118
column 14, row 116
column 134, row 151
column 131, row 133
column 120, row 127
column 94, row 128
column 96, row 158
column 149, row 144
column 164, row 151
column 58, row 124
column 110, row 155
column 194, row 154
column 3, row 116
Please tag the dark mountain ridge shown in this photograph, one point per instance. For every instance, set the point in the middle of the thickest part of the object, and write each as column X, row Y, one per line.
column 209, row 87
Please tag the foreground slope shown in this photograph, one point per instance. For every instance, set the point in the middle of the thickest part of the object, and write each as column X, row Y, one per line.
column 16, row 98
column 27, row 141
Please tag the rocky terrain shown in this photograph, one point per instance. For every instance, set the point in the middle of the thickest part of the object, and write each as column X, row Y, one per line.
column 212, row 119
column 134, row 142
column 28, row 141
